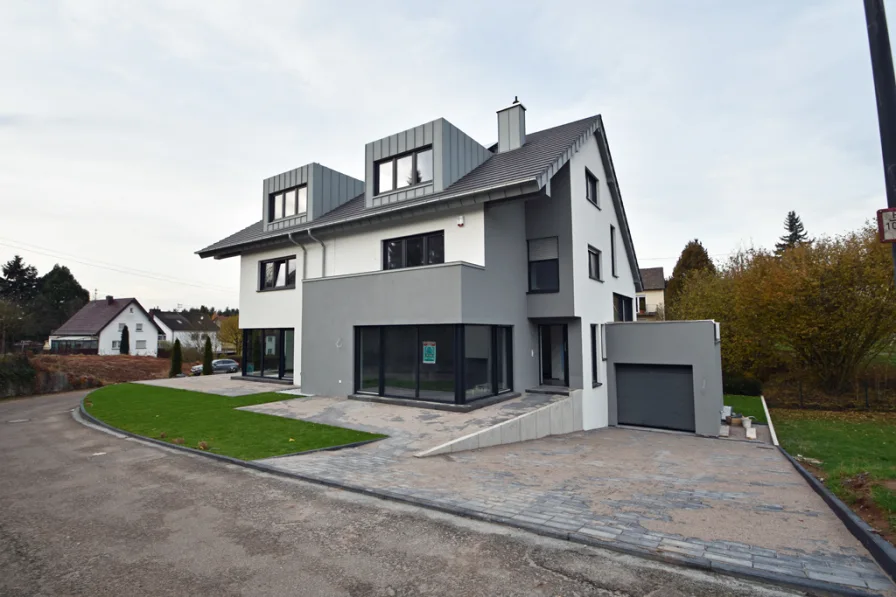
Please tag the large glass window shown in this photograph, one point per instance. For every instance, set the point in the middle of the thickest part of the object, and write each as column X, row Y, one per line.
column 289, row 347
column 622, row 308
column 595, row 380
column 368, row 351
column 269, row 353
column 400, row 361
column 405, row 170
column 477, row 361
column 437, row 372
column 288, row 203
column 504, row 346
column 544, row 265
column 278, row 273
column 253, row 353
column 413, row 251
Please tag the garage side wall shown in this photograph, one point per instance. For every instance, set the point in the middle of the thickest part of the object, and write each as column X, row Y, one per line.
column 689, row 343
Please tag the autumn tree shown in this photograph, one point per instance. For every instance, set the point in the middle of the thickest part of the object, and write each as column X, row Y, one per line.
column 693, row 258
column 231, row 334
column 796, row 233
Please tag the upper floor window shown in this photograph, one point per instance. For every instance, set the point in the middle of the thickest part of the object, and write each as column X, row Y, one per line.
column 278, row 273
column 544, row 265
column 403, row 171
column 412, row 251
column 594, row 264
column 288, row 203
column 592, row 190
column 613, row 250
column 120, row 327
column 139, row 327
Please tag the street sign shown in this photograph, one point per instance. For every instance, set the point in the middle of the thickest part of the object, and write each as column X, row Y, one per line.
column 429, row 353
column 886, row 225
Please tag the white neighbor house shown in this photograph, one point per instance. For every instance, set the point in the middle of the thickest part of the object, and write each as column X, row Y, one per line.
column 98, row 325
column 190, row 331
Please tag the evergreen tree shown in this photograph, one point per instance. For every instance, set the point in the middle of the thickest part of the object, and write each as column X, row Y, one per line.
column 177, row 360
column 796, row 233
column 694, row 257
column 207, row 357
column 59, row 297
column 125, row 345
column 19, row 282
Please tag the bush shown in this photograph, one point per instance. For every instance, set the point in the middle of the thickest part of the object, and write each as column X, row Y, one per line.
column 742, row 385
column 207, row 357
column 177, row 360
column 125, row 346
column 15, row 372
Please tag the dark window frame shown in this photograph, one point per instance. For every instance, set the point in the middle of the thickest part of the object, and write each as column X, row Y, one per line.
column 404, row 249
column 261, row 277
column 592, row 198
column 613, row 251
column 282, row 193
column 281, row 357
column 531, row 261
column 597, row 253
column 595, row 343
column 394, row 159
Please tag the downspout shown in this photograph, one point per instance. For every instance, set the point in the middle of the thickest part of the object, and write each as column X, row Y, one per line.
column 304, row 254
column 323, row 259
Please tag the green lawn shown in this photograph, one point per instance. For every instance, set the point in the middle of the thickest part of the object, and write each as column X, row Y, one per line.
column 857, row 450
column 153, row 411
column 747, row 405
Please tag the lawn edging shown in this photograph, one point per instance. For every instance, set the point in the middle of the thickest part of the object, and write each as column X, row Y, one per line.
column 768, row 418
column 880, row 548
column 696, row 563
column 229, row 459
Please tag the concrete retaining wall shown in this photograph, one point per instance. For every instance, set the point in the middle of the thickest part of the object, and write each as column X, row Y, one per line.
column 557, row 418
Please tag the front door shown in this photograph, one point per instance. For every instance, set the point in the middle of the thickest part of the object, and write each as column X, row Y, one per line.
column 554, row 342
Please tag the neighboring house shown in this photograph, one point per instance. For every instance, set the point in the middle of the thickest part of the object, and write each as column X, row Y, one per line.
column 98, row 326
column 652, row 299
column 453, row 272
column 191, row 331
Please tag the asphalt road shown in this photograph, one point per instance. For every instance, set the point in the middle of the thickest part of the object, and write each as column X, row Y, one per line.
column 86, row 513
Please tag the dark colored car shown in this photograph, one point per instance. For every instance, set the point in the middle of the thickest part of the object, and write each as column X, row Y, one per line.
column 218, row 366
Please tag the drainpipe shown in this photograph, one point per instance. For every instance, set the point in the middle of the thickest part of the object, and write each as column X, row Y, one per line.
column 323, row 259
column 304, row 254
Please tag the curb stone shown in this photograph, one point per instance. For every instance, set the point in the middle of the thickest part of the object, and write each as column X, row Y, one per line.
column 630, row 549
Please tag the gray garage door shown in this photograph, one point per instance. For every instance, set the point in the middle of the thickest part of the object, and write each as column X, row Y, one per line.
column 655, row 396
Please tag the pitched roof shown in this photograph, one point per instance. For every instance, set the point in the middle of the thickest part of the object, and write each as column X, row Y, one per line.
column 533, row 164
column 653, row 278
column 178, row 322
column 96, row 315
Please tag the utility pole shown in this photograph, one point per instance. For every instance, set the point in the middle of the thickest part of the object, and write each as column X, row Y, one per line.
column 885, row 91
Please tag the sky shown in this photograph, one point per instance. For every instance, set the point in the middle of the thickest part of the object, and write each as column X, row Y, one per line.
column 133, row 134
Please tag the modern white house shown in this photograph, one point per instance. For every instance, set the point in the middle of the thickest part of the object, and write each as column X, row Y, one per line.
column 651, row 300
column 98, row 327
column 455, row 273
column 191, row 331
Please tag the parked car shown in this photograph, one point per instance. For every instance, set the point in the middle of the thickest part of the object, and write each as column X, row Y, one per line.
column 218, row 366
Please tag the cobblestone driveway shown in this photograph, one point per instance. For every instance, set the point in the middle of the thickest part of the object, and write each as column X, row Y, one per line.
column 727, row 504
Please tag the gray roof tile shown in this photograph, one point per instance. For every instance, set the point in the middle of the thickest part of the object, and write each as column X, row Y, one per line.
column 94, row 316
column 653, row 278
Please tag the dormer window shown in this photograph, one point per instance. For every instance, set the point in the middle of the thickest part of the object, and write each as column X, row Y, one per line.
column 404, row 170
column 288, row 203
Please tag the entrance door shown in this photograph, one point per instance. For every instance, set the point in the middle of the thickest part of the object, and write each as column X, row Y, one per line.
column 554, row 362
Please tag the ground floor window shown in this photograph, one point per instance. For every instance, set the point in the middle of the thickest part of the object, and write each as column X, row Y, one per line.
column 268, row 353
column 622, row 308
column 438, row 363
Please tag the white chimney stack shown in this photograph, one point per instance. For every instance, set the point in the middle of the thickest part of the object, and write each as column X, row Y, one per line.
column 512, row 126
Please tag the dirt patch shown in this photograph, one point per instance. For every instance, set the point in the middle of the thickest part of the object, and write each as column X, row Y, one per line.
column 108, row 369
column 862, row 502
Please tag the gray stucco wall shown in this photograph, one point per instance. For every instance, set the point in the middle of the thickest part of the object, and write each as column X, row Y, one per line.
column 671, row 343
column 552, row 216
column 327, row 190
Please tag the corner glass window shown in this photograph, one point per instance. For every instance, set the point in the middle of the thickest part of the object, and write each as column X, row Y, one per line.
column 404, row 171
column 414, row 251
column 424, row 166
column 409, row 169
column 278, row 273
column 288, row 203
column 544, row 265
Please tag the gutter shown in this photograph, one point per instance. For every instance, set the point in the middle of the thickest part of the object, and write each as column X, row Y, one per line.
column 304, row 254
column 323, row 257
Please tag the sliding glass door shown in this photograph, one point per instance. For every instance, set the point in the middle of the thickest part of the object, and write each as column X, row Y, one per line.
column 269, row 353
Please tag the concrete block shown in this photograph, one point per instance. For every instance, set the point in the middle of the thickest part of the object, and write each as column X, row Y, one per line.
column 490, row 437
column 566, row 416
column 556, row 419
column 510, row 432
column 543, row 421
column 751, row 433
column 577, row 418
column 724, row 431
column 466, row 443
column 528, row 427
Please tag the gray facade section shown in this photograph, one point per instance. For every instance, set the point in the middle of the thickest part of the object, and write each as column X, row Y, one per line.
column 327, row 190
column 689, row 343
column 511, row 128
column 454, row 155
column 547, row 217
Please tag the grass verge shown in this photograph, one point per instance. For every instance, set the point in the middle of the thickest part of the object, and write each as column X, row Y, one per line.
column 750, row 406
column 857, row 454
column 190, row 418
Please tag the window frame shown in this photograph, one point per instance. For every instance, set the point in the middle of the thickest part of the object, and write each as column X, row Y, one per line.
column 116, row 344
column 282, row 194
column 425, row 236
column 595, row 200
column 394, row 160
column 613, row 251
column 137, row 345
column 595, row 345
column 261, row 277
column 529, row 263
column 138, row 327
column 597, row 253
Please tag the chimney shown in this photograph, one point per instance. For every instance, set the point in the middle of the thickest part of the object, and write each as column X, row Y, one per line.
column 512, row 126
column 109, row 299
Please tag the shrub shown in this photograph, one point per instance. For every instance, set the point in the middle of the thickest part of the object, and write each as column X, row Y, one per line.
column 177, row 360
column 742, row 385
column 207, row 357
column 125, row 346
column 15, row 372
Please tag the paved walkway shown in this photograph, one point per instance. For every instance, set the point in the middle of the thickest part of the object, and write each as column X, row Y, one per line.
column 726, row 504
column 220, row 384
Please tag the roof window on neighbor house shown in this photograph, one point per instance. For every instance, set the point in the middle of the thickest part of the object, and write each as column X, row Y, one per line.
column 288, row 203
column 405, row 170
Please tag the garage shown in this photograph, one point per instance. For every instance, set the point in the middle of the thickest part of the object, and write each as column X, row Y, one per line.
column 655, row 396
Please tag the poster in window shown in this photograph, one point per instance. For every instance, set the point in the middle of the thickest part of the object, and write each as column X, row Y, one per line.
column 429, row 353
column 270, row 345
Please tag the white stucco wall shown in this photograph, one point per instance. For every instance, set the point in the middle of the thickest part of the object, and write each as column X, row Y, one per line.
column 187, row 339
column 593, row 299
column 655, row 298
column 131, row 316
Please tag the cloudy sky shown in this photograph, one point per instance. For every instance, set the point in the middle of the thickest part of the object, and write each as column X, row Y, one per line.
column 134, row 133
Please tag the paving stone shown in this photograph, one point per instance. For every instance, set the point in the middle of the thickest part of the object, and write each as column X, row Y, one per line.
column 780, row 569
column 688, row 551
column 779, row 561
column 599, row 533
column 728, row 559
column 880, row 584
column 852, row 581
